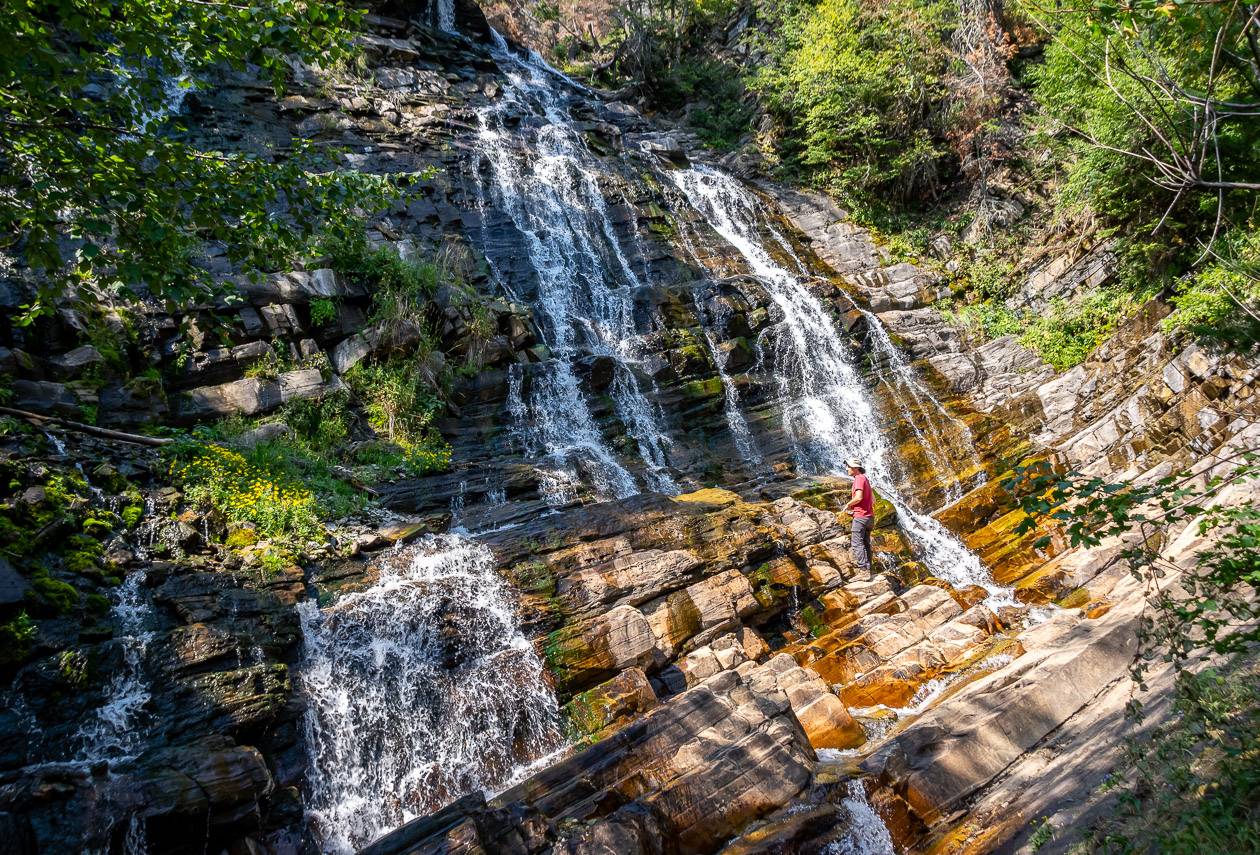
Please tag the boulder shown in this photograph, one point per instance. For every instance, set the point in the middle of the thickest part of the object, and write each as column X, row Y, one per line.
column 251, row 396
column 599, row 712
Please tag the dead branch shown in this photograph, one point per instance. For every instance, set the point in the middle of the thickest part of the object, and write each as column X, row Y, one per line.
column 91, row 430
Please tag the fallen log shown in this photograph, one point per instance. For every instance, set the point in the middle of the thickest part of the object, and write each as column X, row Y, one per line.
column 91, row 430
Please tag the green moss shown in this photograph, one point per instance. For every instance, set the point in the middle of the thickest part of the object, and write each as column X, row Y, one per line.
column 1074, row 599
column 61, row 596
column 813, row 621
column 131, row 515
column 702, row 389
column 588, row 712
column 534, row 577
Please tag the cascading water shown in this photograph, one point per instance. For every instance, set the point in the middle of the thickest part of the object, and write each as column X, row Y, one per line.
column 828, row 413
column 446, row 15
column 116, row 730
column 866, row 834
column 735, row 421
column 420, row 688
column 917, row 404
column 542, row 175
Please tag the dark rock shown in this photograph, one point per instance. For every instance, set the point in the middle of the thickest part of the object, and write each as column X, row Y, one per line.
column 71, row 365
column 45, row 397
column 13, row 586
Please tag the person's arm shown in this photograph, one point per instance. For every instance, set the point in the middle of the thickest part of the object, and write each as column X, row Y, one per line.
column 856, row 500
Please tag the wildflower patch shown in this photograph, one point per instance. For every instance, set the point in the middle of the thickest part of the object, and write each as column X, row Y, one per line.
column 243, row 492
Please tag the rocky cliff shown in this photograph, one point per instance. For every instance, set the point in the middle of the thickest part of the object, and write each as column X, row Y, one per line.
column 647, row 633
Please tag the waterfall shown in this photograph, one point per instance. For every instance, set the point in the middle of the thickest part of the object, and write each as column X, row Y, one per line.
column 917, row 404
column 446, row 16
column 866, row 833
column 546, row 180
column 745, row 444
column 828, row 413
column 420, row 689
column 116, row 730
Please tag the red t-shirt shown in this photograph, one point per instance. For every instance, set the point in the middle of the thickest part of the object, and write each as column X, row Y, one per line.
column 866, row 507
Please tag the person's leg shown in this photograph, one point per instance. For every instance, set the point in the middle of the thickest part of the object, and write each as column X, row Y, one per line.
column 866, row 541
column 859, row 541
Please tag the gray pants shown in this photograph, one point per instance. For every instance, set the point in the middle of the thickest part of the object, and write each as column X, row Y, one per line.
column 860, row 540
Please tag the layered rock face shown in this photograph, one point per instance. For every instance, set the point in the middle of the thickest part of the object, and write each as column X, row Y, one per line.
column 730, row 680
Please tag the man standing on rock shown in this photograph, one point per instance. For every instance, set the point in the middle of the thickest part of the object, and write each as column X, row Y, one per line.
column 862, row 506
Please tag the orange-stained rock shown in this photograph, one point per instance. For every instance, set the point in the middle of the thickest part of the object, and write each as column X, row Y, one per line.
column 1096, row 609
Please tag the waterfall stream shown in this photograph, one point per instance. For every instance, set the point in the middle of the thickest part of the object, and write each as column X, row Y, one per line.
column 543, row 176
column 942, row 436
column 828, row 413
column 420, row 688
column 116, row 730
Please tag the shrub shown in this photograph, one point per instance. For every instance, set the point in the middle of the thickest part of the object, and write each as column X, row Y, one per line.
column 323, row 311
column 1069, row 332
column 1220, row 303
column 401, row 406
column 400, row 288
column 859, row 90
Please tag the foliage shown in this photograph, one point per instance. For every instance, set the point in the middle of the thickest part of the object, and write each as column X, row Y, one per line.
column 400, row 287
column 1063, row 336
column 859, row 88
column 1153, row 107
column 1220, row 302
column 1069, row 332
column 402, row 406
column 319, row 426
column 712, row 94
column 102, row 192
column 323, row 311
column 243, row 491
column 16, row 637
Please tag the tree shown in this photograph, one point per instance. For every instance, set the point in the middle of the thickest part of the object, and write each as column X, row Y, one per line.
column 102, row 191
column 860, row 90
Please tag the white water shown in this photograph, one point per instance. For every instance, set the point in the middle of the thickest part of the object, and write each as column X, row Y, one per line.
column 828, row 413
column 116, row 731
column 543, row 176
column 420, row 688
column 446, row 16
column 735, row 421
column 866, row 834
column 917, row 404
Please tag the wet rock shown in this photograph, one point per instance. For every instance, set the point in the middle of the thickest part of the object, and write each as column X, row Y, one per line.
column 695, row 770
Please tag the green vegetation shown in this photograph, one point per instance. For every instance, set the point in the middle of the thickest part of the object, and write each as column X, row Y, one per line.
column 16, row 636
column 400, row 287
column 1064, row 336
column 246, row 491
column 104, row 194
column 323, row 311
column 1192, row 787
column 400, row 403
column 860, row 92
